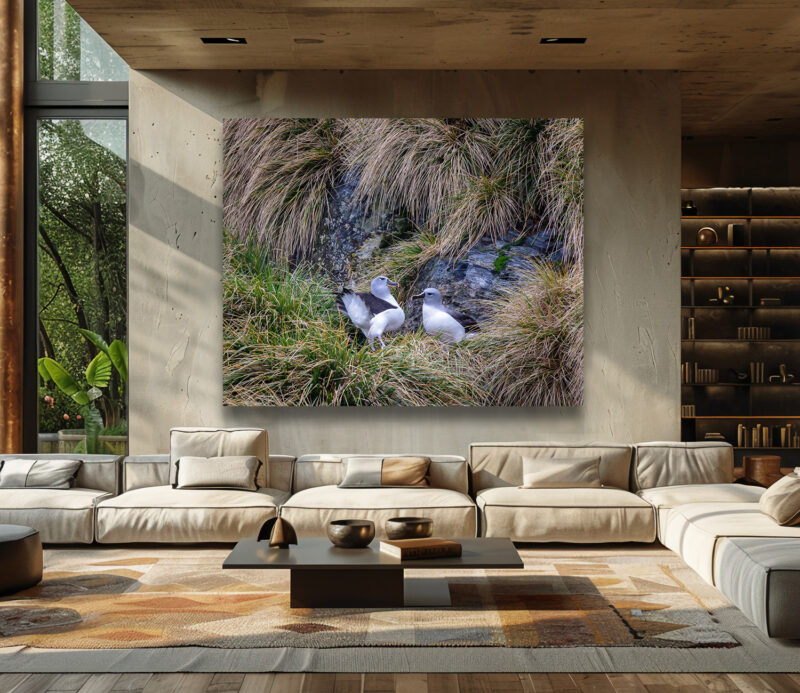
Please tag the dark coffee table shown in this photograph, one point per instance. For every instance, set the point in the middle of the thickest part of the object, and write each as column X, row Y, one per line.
column 323, row 575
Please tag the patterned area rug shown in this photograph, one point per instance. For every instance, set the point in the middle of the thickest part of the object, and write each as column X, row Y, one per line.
column 94, row 598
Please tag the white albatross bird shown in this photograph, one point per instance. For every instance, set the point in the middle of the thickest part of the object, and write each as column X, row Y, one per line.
column 373, row 313
column 445, row 323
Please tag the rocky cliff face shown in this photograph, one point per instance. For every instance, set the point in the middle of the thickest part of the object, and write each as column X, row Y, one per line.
column 349, row 247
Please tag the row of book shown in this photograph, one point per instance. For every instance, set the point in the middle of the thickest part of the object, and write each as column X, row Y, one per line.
column 753, row 332
column 687, row 411
column 763, row 436
column 691, row 373
column 757, row 372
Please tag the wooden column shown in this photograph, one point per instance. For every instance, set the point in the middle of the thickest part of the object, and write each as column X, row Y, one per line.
column 11, row 226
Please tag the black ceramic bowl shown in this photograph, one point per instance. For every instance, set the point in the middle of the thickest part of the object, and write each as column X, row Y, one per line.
column 351, row 534
column 409, row 527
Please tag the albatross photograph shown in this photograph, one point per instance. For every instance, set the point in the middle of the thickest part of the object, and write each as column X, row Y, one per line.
column 417, row 262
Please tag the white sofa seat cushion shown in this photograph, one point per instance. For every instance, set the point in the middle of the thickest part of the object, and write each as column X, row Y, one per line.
column 582, row 515
column 693, row 531
column 62, row 516
column 762, row 577
column 168, row 515
column 664, row 498
column 454, row 514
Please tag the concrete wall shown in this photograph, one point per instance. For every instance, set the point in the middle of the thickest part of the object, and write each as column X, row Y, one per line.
column 632, row 292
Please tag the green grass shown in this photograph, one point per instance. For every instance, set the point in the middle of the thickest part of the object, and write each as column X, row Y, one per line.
column 286, row 345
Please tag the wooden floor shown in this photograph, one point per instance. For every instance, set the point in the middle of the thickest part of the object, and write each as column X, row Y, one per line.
column 402, row 683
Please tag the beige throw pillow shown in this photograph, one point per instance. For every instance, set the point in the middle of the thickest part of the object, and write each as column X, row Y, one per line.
column 561, row 472
column 22, row 473
column 218, row 472
column 374, row 472
column 781, row 501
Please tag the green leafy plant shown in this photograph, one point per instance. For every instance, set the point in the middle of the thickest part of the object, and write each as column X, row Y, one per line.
column 98, row 375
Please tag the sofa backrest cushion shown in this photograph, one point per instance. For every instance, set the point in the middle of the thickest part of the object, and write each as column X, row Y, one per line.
column 446, row 471
column 500, row 464
column 99, row 472
column 661, row 463
column 220, row 442
column 140, row 471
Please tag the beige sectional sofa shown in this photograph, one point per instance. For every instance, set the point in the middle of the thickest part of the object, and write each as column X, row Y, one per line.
column 151, row 510
column 582, row 515
column 62, row 516
column 316, row 498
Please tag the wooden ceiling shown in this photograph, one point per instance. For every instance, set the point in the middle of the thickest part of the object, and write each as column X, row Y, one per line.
column 739, row 59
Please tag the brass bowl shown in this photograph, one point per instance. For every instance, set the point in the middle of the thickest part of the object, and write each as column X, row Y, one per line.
column 409, row 527
column 351, row 534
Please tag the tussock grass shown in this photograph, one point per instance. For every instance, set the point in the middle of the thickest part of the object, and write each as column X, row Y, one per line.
column 278, row 175
column 284, row 344
column 532, row 341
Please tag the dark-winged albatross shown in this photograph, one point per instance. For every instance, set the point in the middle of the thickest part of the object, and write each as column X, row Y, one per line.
column 373, row 312
column 443, row 322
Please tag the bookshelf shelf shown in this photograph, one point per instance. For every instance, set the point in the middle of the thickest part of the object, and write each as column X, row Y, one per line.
column 758, row 257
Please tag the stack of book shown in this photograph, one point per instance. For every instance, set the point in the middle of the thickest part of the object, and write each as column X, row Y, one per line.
column 714, row 435
column 412, row 549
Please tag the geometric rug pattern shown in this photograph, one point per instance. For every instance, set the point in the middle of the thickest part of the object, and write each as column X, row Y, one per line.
column 108, row 597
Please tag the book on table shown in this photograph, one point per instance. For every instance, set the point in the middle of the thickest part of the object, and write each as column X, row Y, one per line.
column 431, row 547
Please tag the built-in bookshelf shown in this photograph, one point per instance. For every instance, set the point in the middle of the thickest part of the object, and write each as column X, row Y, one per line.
column 740, row 319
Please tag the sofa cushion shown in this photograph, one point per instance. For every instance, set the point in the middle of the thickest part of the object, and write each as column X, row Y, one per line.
column 220, row 442
column 660, row 464
column 665, row 498
column 454, row 514
column 694, row 529
column 62, row 516
column 218, row 472
column 97, row 471
column 762, row 578
column 580, row 515
column 446, row 471
column 561, row 472
column 500, row 464
column 781, row 501
column 168, row 515
column 28, row 473
column 374, row 472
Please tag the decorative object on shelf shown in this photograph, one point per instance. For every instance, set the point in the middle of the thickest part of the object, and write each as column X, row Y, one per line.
column 757, row 371
column 740, row 376
column 736, row 234
column 688, row 209
column 750, row 332
column 725, row 296
column 408, row 527
column 782, row 376
column 706, row 236
column 770, row 301
column 763, row 470
column 278, row 532
column 351, row 534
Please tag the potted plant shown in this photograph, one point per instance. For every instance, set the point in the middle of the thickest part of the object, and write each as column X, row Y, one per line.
column 99, row 413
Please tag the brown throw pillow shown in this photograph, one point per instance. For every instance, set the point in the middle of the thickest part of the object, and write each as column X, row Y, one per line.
column 374, row 472
column 781, row 501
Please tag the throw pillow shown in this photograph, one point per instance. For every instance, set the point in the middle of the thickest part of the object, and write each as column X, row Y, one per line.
column 561, row 472
column 217, row 472
column 21, row 473
column 781, row 501
column 374, row 472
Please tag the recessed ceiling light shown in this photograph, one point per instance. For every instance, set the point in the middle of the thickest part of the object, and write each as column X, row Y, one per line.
column 222, row 39
column 563, row 39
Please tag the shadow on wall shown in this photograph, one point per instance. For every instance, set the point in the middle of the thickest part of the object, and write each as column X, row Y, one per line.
column 631, row 348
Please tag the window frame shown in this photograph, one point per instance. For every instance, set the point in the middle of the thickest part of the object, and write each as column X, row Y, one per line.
column 46, row 99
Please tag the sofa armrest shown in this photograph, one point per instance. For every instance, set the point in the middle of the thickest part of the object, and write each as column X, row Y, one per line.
column 139, row 471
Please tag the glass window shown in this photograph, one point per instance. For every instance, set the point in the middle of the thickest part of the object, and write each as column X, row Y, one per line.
column 82, row 231
column 70, row 50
